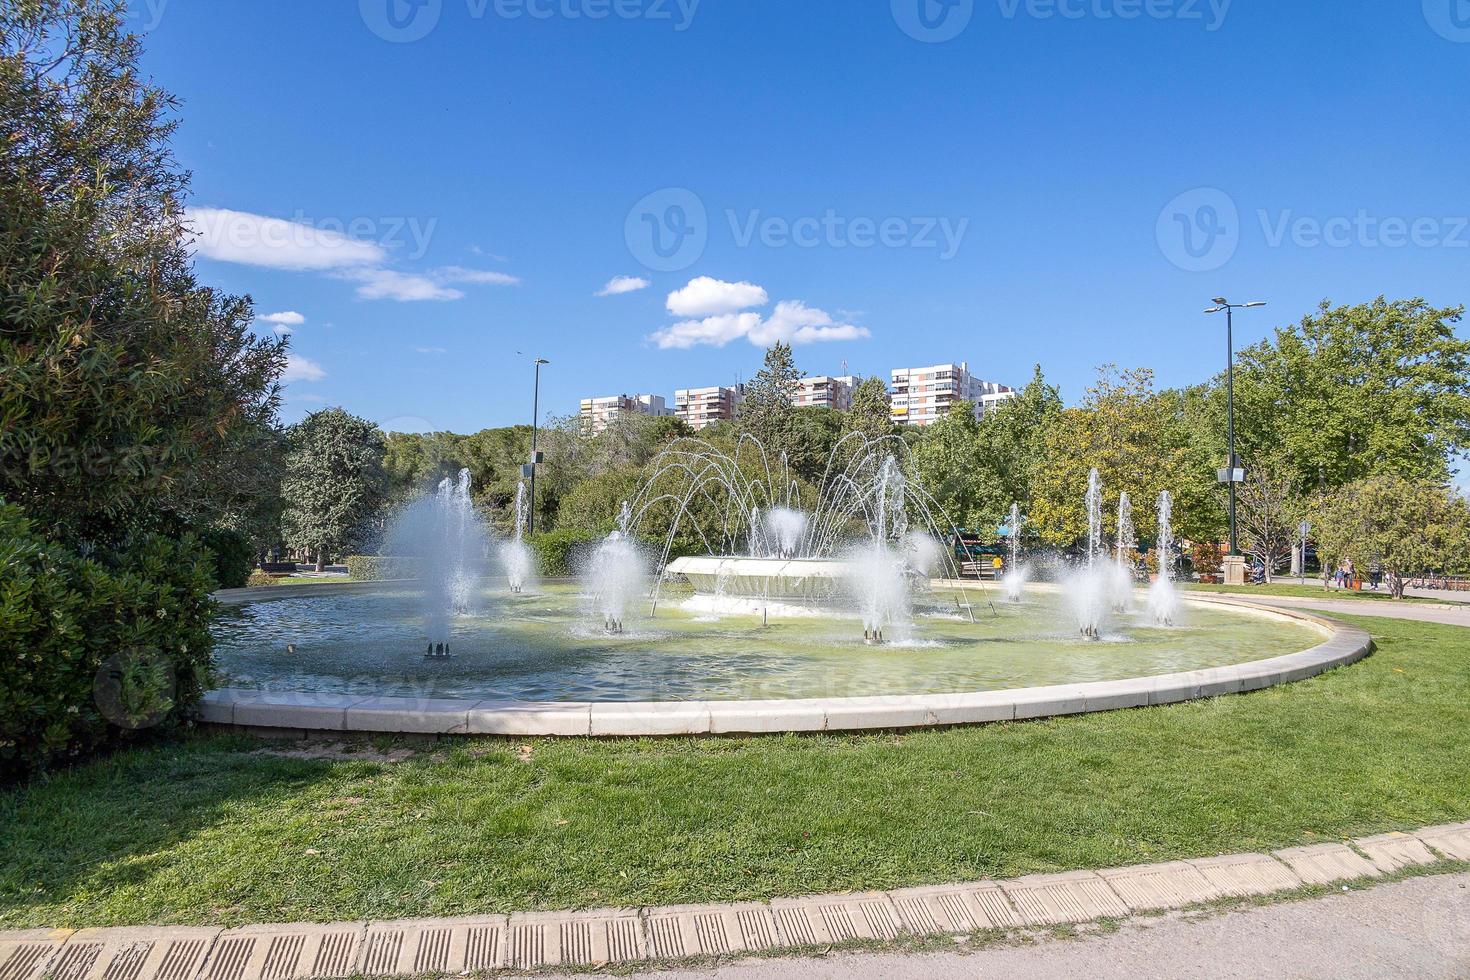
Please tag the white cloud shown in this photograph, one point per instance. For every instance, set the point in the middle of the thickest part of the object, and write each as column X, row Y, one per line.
column 482, row 277
column 792, row 322
column 253, row 239
column 431, row 350
column 283, row 323
column 618, row 285
column 403, row 287
column 714, row 331
column 300, row 368
column 705, row 296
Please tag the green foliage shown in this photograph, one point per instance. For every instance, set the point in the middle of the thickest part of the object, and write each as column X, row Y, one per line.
column 334, row 481
column 1355, row 391
column 97, row 645
column 127, row 388
column 1406, row 525
column 592, row 506
column 947, row 461
column 562, row 551
column 768, row 412
column 871, row 412
column 382, row 568
column 234, row 556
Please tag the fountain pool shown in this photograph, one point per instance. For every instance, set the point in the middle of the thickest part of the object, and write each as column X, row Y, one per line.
column 544, row 647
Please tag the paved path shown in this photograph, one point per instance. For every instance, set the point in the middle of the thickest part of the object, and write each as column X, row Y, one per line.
column 554, row 940
column 1416, row 928
column 1450, row 614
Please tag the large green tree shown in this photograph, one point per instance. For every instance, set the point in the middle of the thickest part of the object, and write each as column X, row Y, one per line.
column 1355, row 391
column 871, row 412
column 129, row 391
column 768, row 412
column 334, row 482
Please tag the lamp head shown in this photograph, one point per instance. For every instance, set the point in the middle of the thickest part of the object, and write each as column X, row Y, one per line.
column 1219, row 301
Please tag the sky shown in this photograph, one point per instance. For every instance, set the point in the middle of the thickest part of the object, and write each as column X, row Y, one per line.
column 429, row 194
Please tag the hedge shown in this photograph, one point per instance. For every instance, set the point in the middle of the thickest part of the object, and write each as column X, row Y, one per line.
column 234, row 557
column 97, row 647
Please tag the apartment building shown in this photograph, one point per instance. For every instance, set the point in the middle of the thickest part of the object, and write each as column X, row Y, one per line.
column 599, row 413
column 922, row 395
column 826, row 392
column 701, row 407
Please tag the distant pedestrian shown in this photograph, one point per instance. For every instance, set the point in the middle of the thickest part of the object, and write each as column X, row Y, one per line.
column 1375, row 574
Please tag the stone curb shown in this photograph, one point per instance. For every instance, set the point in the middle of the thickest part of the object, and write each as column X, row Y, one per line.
column 604, row 937
column 299, row 713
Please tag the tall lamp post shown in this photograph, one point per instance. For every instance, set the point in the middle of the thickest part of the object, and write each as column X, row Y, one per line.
column 535, row 456
column 1232, row 472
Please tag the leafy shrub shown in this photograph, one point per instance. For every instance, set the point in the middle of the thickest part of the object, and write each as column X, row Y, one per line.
column 260, row 578
column 382, row 568
column 234, row 557
column 96, row 646
column 561, row 551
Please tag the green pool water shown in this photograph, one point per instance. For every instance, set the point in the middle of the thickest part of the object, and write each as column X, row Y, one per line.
column 545, row 647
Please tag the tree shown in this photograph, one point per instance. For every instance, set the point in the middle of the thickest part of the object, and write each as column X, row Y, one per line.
column 128, row 389
column 1136, row 440
column 1400, row 523
column 334, row 481
column 1356, row 391
column 1013, row 440
column 871, row 413
column 1267, row 512
column 768, row 412
column 946, row 461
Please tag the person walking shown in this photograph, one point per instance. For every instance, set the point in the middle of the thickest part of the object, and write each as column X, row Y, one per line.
column 1375, row 574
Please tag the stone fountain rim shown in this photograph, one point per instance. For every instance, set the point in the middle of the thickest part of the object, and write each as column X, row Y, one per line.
column 300, row 713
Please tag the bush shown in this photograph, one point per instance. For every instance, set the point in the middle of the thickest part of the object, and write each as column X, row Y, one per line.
column 234, row 557
column 259, row 578
column 560, row 552
column 382, row 568
column 98, row 647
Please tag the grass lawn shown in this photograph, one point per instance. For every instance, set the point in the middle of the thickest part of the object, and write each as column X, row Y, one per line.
column 226, row 830
column 1309, row 591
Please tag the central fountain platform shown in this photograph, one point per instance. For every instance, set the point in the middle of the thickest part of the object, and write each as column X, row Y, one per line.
column 817, row 580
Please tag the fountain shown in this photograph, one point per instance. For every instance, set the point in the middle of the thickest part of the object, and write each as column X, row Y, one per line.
column 1120, row 576
column 448, row 540
column 616, row 575
column 1089, row 589
column 516, row 557
column 1163, row 598
column 1015, row 582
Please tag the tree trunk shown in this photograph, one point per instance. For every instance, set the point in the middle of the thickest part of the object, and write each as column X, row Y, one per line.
column 1396, row 584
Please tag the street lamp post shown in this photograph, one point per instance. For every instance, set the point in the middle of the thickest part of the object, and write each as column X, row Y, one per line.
column 1232, row 472
column 535, row 428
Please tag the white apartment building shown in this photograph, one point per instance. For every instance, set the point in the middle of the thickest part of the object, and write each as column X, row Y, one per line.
column 599, row 413
column 701, row 407
column 826, row 392
column 922, row 395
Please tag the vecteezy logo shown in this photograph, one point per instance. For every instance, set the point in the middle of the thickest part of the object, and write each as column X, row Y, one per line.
column 1449, row 18
column 142, row 16
column 667, row 230
column 932, row 21
column 401, row 21
column 135, row 688
column 1199, row 230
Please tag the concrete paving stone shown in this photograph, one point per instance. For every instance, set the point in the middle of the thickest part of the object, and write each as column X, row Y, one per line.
column 1451, row 840
column 575, row 939
column 140, row 953
column 423, row 716
column 413, row 947
column 1173, row 688
column 1115, row 695
column 1058, row 899
column 286, row 951
column 652, row 718
column 287, row 709
column 1150, row 887
column 836, row 918
column 1240, row 875
column 530, row 718
column 971, row 708
column 675, row 932
column 954, row 909
column 1391, row 852
column 24, row 955
column 865, row 714
column 1323, row 864
column 757, row 717
column 216, row 708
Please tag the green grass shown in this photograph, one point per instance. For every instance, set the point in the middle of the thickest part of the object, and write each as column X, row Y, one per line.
column 226, row 830
column 1309, row 591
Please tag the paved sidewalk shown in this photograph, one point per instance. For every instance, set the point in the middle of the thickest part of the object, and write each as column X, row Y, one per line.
column 1449, row 615
column 530, row 941
column 1416, row 928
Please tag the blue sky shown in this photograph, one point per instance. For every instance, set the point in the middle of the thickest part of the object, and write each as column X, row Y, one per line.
column 1062, row 181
